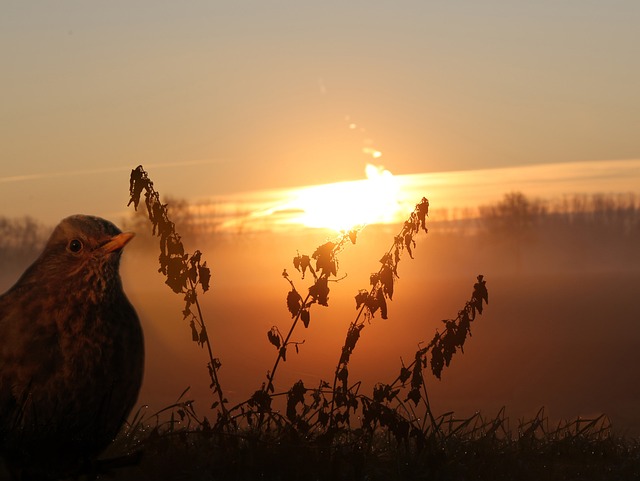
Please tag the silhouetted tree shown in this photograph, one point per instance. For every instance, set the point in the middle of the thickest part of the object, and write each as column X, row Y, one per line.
column 512, row 220
column 180, row 213
column 21, row 239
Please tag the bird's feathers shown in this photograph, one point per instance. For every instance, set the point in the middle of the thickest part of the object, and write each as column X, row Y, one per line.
column 71, row 349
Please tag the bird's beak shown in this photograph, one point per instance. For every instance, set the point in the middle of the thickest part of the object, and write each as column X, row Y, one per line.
column 117, row 242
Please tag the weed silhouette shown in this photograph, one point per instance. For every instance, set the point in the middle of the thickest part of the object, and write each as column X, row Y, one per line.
column 184, row 272
column 333, row 430
column 327, row 409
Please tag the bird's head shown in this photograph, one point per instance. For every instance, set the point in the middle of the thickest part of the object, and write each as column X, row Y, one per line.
column 84, row 246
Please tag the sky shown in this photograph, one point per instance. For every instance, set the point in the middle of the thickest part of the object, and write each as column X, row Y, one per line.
column 219, row 98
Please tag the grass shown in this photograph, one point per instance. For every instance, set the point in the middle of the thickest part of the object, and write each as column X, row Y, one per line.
column 473, row 448
column 335, row 431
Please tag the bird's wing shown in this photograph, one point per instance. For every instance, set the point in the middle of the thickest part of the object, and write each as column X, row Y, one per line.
column 28, row 353
column 7, row 400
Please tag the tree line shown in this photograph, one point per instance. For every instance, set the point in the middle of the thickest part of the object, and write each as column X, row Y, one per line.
column 516, row 218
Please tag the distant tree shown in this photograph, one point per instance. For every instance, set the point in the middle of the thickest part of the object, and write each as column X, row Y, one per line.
column 512, row 220
column 21, row 239
column 617, row 214
column 181, row 214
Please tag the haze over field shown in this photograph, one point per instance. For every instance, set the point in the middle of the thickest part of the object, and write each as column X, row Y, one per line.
column 559, row 331
column 551, row 335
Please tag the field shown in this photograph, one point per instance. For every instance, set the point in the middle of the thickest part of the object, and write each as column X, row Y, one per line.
column 545, row 388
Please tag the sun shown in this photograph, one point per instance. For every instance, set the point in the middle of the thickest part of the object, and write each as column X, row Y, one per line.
column 342, row 206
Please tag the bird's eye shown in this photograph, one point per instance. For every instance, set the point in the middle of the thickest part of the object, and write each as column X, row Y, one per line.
column 75, row 246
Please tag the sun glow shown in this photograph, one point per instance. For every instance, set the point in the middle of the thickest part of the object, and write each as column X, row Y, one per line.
column 345, row 205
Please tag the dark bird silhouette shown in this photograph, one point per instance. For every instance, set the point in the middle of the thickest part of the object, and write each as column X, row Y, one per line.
column 71, row 352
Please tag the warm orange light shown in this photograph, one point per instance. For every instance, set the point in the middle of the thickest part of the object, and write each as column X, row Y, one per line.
column 344, row 205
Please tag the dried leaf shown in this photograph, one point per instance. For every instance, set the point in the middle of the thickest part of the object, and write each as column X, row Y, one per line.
column 192, row 274
column 205, row 276
column 423, row 212
column 361, row 298
column 437, row 361
column 325, row 260
column 382, row 302
column 294, row 302
column 320, row 291
column 305, row 316
column 408, row 240
column 405, row 374
column 260, row 400
column 480, row 291
column 274, row 337
column 302, row 263
column 176, row 276
column 194, row 331
column 414, row 395
column 352, row 336
column 295, row 396
column 174, row 246
column 373, row 303
column 386, row 278
column 379, row 392
column 343, row 376
column 203, row 336
column 136, row 185
column 416, row 375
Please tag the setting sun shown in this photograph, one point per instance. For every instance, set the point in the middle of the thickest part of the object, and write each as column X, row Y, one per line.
column 345, row 205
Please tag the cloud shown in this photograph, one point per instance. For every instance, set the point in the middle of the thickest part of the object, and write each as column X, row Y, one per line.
column 103, row 170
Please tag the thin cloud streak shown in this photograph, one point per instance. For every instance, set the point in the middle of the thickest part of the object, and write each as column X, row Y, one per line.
column 103, row 170
column 465, row 189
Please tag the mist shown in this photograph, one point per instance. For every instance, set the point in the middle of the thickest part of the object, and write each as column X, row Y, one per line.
column 561, row 329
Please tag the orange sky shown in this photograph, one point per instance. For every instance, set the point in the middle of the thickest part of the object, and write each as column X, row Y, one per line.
column 383, row 198
column 248, row 96
column 243, row 104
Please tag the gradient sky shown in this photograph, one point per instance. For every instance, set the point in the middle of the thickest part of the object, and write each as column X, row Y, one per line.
column 247, row 95
column 219, row 99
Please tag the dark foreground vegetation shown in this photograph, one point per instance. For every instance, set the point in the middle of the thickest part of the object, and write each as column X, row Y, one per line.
column 336, row 430
column 476, row 448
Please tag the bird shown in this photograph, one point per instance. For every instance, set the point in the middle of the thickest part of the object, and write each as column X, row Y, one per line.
column 71, row 353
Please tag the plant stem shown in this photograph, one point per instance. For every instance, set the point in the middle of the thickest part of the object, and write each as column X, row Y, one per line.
column 353, row 326
column 213, row 372
column 272, row 373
